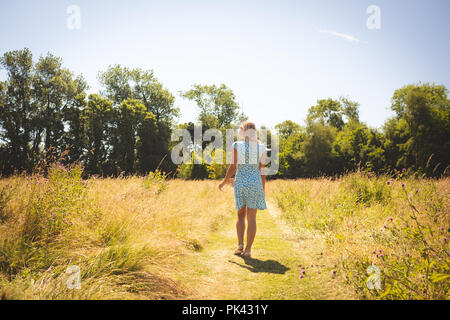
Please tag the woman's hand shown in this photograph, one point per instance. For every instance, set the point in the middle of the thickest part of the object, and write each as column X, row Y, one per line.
column 222, row 184
column 231, row 170
column 225, row 181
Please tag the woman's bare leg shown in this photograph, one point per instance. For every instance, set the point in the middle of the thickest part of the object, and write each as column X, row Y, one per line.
column 240, row 224
column 251, row 228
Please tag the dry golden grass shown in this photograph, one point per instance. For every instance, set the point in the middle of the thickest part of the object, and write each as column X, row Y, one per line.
column 128, row 238
column 149, row 238
column 399, row 225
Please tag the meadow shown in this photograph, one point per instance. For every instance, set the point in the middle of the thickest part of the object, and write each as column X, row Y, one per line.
column 157, row 238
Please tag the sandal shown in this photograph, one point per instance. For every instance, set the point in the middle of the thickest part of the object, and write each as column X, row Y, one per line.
column 239, row 250
column 247, row 254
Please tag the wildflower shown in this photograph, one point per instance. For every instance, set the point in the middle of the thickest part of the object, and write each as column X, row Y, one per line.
column 300, row 276
column 380, row 251
column 403, row 184
column 374, row 252
column 303, row 271
column 445, row 239
column 388, row 182
column 333, row 272
column 404, row 169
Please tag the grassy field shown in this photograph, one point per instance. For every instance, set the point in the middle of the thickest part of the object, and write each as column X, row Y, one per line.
column 152, row 238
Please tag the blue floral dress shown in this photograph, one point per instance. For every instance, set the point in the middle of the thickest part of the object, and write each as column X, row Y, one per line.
column 248, row 189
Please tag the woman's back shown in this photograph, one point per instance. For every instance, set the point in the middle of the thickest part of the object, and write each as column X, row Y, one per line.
column 249, row 154
column 248, row 186
column 249, row 183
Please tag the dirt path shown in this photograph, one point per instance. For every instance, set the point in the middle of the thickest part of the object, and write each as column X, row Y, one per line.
column 272, row 273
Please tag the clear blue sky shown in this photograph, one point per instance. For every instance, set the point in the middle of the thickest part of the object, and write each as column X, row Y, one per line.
column 278, row 57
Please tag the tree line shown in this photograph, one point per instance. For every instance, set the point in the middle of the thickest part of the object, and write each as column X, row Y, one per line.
column 126, row 127
column 335, row 141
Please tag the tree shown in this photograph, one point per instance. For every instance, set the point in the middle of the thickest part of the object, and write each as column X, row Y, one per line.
column 317, row 150
column 287, row 128
column 159, row 102
column 97, row 116
column 148, row 138
column 418, row 135
column 17, row 111
column 323, row 123
column 334, row 112
column 37, row 106
column 116, row 84
column 218, row 108
column 56, row 91
column 291, row 137
column 356, row 145
column 128, row 118
column 75, row 136
column 121, row 83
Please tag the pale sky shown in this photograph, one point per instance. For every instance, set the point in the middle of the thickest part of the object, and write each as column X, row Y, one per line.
column 278, row 57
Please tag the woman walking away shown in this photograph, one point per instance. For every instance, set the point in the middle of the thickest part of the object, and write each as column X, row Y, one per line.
column 249, row 183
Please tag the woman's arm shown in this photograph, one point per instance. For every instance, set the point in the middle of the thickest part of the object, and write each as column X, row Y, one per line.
column 262, row 165
column 231, row 170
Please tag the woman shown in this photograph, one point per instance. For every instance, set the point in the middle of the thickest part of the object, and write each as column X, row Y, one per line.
column 249, row 184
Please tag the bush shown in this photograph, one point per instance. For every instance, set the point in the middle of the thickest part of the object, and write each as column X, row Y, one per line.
column 156, row 180
column 366, row 190
column 53, row 203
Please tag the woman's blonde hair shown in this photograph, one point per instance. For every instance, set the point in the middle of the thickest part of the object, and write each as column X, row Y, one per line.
column 248, row 131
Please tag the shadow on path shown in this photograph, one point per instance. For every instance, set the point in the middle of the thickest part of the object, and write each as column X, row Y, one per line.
column 256, row 265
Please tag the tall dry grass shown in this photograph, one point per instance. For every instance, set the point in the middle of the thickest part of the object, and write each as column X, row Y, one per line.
column 399, row 224
column 128, row 235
